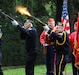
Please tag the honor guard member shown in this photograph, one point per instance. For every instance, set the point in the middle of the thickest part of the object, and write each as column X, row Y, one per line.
column 48, row 48
column 29, row 34
column 1, row 72
column 74, row 51
column 62, row 46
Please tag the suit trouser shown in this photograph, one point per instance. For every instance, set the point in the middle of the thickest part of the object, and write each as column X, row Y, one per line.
column 30, row 63
column 50, row 60
column 1, row 72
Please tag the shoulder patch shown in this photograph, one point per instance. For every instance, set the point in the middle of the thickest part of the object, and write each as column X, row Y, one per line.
column 0, row 35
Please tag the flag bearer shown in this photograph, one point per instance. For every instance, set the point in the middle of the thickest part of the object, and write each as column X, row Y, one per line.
column 75, row 54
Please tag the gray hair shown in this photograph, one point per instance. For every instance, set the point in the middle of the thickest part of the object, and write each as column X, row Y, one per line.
column 29, row 23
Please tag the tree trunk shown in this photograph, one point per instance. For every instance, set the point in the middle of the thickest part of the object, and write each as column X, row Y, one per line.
column 59, row 10
column 71, row 14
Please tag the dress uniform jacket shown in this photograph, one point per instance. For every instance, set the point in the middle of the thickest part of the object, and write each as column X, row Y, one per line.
column 62, row 46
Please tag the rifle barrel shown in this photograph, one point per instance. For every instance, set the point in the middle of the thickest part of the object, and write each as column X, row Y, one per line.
column 38, row 20
column 7, row 16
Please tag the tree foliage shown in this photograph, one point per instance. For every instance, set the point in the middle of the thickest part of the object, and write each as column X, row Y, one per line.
column 13, row 49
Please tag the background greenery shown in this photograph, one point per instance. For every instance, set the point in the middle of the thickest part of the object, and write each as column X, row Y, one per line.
column 13, row 48
column 39, row 70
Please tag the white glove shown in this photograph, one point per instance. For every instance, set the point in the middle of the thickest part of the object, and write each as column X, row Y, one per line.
column 22, row 26
column 46, row 28
column 14, row 22
column 45, row 44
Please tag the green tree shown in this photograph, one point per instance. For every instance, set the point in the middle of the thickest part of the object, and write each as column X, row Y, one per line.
column 13, row 47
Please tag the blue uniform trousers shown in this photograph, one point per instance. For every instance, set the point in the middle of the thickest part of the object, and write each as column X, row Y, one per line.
column 61, row 61
column 50, row 60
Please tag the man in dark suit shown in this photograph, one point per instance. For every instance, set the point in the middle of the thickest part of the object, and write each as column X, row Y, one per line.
column 29, row 34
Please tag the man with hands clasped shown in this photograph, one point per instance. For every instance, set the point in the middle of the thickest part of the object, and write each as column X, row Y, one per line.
column 48, row 47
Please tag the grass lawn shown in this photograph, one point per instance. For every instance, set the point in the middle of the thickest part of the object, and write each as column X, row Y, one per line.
column 39, row 70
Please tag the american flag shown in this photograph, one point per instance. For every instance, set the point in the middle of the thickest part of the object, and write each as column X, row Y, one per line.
column 65, row 17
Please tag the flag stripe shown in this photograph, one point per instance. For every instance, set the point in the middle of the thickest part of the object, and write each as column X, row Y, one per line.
column 65, row 17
